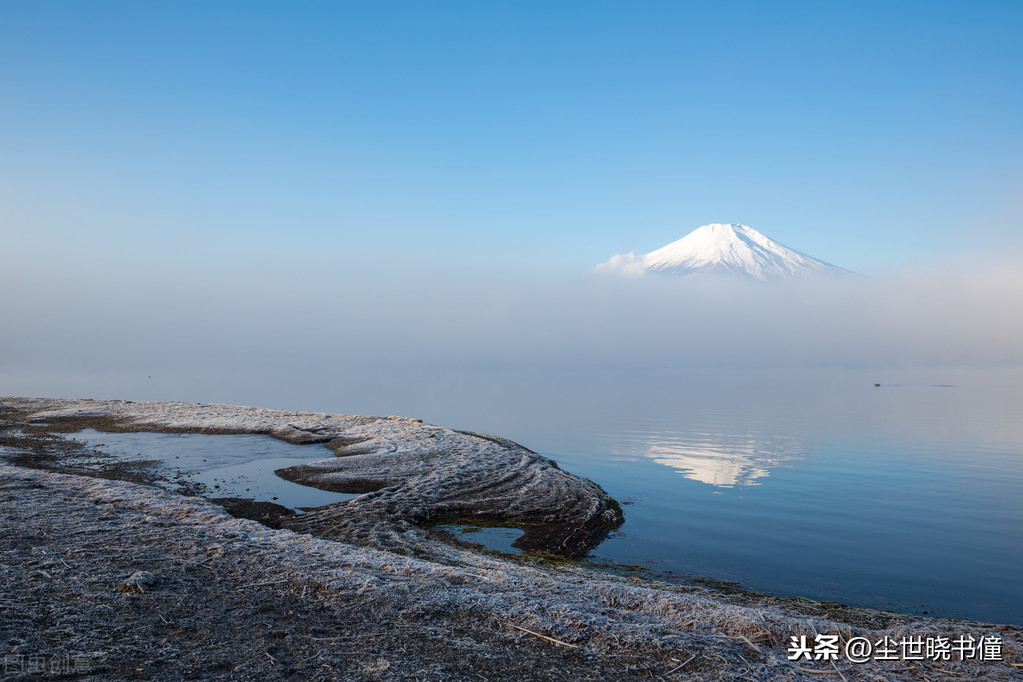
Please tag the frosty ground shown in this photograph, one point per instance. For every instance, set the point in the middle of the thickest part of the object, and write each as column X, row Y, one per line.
column 107, row 576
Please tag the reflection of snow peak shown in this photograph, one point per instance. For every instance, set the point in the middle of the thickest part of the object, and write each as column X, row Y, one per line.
column 722, row 248
column 724, row 465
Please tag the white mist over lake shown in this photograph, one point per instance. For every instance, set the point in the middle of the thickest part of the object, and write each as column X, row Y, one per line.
column 332, row 331
column 740, row 420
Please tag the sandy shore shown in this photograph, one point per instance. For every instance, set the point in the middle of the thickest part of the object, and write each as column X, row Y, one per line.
column 118, row 579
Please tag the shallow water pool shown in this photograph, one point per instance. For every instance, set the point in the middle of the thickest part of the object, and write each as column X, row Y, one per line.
column 226, row 465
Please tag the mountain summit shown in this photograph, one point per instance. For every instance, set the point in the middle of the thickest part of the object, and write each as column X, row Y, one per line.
column 723, row 249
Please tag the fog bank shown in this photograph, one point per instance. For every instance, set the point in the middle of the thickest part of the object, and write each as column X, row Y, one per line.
column 245, row 333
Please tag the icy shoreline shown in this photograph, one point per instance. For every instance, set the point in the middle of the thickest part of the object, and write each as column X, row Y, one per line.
column 411, row 473
column 230, row 597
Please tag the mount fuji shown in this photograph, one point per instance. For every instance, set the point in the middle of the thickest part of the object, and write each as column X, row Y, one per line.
column 723, row 249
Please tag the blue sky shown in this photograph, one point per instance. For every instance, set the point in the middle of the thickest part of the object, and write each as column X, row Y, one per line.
column 518, row 135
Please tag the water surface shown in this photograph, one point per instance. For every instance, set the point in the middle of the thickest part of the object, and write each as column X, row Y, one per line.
column 815, row 483
column 908, row 497
column 226, row 465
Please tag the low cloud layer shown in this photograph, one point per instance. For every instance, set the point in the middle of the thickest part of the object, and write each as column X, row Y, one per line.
column 339, row 326
column 622, row 264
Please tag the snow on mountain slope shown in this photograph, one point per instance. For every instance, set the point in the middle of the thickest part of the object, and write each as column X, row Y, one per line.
column 723, row 248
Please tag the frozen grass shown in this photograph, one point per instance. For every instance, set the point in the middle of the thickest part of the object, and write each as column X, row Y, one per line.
column 229, row 598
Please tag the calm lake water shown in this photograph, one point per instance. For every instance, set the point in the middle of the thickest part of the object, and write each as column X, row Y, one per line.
column 902, row 497
column 906, row 497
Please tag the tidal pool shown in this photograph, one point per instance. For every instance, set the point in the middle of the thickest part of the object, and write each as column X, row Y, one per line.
column 226, row 465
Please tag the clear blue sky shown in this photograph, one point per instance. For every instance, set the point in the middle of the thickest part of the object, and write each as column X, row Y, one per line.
column 544, row 135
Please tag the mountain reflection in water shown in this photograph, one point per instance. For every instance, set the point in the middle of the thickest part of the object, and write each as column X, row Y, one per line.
column 723, row 462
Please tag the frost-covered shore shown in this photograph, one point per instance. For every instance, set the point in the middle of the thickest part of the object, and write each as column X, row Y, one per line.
column 229, row 598
column 411, row 473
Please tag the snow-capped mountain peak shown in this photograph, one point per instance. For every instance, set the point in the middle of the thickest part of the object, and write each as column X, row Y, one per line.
column 723, row 248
